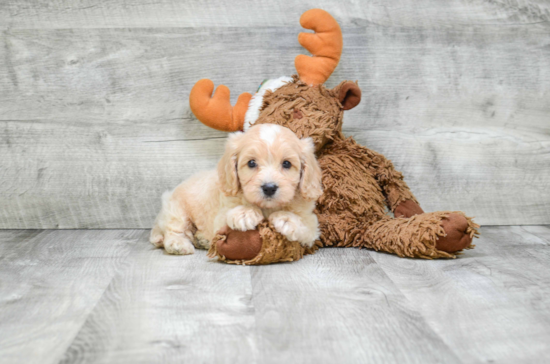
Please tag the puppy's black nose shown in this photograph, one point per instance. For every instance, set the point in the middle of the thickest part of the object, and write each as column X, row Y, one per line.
column 269, row 189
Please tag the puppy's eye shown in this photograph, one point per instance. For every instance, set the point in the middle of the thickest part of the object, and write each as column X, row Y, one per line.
column 287, row 164
column 252, row 163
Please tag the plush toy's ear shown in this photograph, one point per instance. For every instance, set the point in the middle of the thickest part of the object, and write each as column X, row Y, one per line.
column 227, row 166
column 311, row 181
column 349, row 94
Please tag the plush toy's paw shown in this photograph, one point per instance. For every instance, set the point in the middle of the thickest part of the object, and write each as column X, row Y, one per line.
column 239, row 245
column 291, row 226
column 457, row 238
column 177, row 244
column 407, row 208
column 243, row 218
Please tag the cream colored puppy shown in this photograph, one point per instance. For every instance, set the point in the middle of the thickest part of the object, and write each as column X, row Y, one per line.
column 266, row 173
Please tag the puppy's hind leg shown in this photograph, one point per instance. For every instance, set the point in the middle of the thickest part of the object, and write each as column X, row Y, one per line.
column 178, row 243
column 173, row 229
column 157, row 232
column 157, row 236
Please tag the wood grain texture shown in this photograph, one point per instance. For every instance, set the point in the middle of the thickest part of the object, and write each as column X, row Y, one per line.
column 170, row 309
column 338, row 306
column 95, row 124
column 540, row 231
column 499, row 289
column 103, row 296
column 252, row 13
column 49, row 283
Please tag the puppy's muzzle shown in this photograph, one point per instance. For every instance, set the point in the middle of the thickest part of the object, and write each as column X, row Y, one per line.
column 269, row 189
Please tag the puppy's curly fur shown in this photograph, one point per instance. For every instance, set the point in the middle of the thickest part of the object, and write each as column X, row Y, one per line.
column 265, row 173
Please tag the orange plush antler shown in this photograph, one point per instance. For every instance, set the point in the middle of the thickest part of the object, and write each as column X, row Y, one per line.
column 325, row 46
column 216, row 111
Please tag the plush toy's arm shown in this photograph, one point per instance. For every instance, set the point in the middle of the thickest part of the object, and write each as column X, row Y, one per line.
column 399, row 197
column 395, row 189
column 256, row 247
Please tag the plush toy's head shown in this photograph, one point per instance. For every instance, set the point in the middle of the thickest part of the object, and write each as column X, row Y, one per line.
column 300, row 103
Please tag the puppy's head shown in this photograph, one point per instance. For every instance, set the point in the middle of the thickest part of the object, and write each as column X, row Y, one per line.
column 269, row 165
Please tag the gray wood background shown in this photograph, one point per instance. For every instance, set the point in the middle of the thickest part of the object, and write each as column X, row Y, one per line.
column 95, row 122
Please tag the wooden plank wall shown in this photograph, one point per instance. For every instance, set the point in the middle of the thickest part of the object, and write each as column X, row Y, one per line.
column 95, row 122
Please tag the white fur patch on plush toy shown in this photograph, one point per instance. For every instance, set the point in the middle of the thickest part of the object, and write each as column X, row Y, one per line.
column 257, row 100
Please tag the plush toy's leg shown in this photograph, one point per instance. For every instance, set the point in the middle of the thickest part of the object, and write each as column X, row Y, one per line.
column 429, row 235
column 460, row 231
column 255, row 247
column 455, row 225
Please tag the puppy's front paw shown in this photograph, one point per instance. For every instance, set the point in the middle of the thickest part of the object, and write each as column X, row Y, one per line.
column 179, row 245
column 244, row 218
column 290, row 225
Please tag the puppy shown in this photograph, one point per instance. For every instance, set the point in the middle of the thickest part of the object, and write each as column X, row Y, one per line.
column 266, row 173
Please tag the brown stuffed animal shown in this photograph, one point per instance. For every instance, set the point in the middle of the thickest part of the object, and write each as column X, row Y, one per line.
column 359, row 184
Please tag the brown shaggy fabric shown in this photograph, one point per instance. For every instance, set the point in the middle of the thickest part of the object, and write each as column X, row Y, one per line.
column 360, row 186
column 275, row 248
column 409, row 237
column 319, row 108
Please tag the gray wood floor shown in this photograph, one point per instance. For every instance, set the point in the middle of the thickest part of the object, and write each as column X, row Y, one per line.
column 108, row 296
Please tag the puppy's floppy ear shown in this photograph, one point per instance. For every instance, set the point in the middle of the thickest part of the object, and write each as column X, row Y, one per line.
column 310, row 182
column 227, row 166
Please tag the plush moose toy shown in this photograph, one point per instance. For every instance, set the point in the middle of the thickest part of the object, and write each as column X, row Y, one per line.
column 359, row 184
